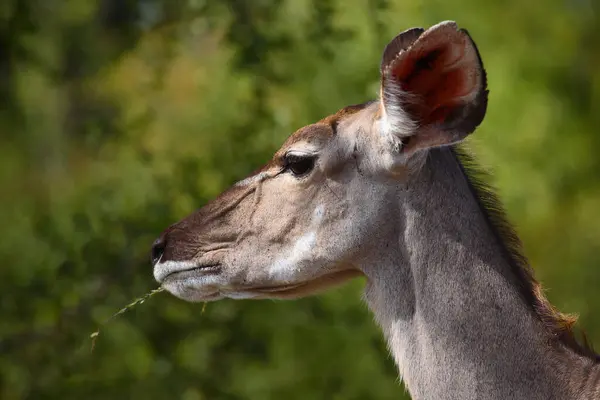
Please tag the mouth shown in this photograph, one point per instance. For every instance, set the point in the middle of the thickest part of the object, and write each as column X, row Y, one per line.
column 204, row 269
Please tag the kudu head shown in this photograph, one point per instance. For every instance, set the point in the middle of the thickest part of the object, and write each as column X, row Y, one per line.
column 324, row 208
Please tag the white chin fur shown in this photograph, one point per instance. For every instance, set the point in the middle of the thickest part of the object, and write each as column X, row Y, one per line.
column 195, row 289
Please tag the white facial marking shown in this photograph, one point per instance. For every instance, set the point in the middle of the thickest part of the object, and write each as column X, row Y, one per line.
column 252, row 179
column 195, row 288
column 285, row 268
column 161, row 270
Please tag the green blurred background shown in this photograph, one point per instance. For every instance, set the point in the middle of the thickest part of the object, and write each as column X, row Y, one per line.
column 119, row 117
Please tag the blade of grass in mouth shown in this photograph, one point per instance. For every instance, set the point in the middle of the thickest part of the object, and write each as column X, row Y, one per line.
column 123, row 310
column 139, row 300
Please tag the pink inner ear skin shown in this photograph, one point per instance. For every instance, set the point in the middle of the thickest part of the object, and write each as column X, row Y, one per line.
column 448, row 89
column 440, row 114
column 438, row 78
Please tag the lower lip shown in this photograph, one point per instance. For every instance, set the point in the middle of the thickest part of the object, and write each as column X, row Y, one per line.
column 193, row 272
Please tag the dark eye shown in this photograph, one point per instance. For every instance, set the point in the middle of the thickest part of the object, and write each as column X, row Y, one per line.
column 299, row 164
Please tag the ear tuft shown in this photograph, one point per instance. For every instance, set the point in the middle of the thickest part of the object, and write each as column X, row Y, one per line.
column 435, row 79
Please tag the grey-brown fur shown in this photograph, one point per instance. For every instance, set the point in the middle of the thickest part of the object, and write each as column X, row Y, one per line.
column 378, row 190
column 463, row 327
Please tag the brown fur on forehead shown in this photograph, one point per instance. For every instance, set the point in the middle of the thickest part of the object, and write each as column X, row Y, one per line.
column 315, row 133
column 334, row 119
column 324, row 129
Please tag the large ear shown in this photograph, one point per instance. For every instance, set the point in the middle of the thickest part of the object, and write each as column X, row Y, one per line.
column 433, row 87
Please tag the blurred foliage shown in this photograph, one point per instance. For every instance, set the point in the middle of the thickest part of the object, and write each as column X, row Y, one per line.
column 120, row 117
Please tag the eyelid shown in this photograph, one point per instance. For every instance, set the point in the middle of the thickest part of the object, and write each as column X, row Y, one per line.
column 299, row 153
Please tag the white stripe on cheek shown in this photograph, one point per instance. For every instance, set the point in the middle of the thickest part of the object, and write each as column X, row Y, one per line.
column 285, row 268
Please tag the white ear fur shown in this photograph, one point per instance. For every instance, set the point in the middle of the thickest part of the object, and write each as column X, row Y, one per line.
column 394, row 119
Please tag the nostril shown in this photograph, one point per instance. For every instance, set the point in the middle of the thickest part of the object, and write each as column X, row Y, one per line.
column 158, row 249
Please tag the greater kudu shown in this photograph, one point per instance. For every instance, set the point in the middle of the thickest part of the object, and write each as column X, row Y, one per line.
column 380, row 190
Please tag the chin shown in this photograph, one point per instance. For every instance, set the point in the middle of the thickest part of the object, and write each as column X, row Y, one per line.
column 193, row 290
column 202, row 288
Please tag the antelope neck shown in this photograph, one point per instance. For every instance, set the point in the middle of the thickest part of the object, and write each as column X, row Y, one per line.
column 451, row 310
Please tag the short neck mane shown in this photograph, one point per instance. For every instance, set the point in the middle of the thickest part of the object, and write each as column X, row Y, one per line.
column 462, row 314
column 559, row 325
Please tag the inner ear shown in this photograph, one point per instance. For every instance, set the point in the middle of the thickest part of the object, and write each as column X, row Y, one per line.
column 437, row 80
